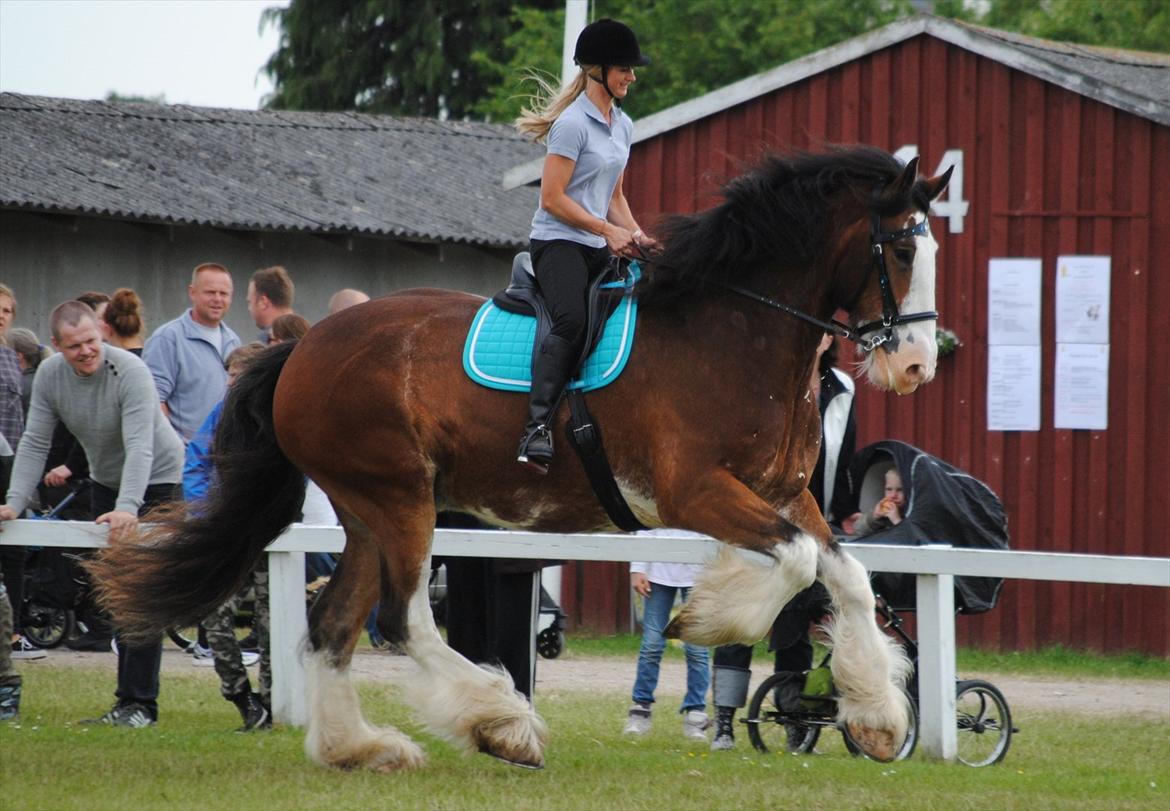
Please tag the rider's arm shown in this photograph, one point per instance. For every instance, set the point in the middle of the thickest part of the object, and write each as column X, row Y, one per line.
column 558, row 170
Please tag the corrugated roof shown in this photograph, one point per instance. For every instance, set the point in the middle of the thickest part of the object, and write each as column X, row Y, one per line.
column 1134, row 81
column 333, row 173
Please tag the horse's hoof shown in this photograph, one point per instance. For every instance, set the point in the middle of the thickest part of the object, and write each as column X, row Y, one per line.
column 523, row 764
column 875, row 744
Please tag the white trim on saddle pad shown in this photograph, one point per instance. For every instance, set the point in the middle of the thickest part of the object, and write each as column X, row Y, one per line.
column 498, row 350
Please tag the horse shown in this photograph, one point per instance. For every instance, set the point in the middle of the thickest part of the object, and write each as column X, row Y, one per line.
column 710, row 428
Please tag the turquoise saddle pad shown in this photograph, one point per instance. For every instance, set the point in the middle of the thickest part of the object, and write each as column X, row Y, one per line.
column 498, row 351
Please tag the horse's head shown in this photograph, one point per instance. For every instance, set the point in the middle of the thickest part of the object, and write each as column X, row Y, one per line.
column 895, row 313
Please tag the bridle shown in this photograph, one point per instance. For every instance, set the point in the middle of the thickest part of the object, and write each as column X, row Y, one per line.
column 890, row 319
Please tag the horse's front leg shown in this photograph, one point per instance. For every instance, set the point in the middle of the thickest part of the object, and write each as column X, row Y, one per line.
column 736, row 599
column 869, row 668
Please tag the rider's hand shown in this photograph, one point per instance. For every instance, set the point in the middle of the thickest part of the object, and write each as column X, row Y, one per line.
column 58, row 476
column 639, row 583
column 120, row 523
column 647, row 243
column 620, row 240
column 7, row 513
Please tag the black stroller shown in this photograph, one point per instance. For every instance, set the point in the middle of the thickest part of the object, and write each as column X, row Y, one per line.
column 942, row 504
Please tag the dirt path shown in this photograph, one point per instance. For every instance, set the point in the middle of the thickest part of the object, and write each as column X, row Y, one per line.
column 610, row 675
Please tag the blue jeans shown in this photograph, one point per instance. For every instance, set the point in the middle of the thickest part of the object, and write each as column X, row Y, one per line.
column 654, row 620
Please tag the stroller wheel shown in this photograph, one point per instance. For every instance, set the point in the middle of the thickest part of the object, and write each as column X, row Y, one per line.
column 46, row 626
column 550, row 642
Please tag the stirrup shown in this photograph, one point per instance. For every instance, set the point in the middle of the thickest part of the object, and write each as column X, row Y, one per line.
column 537, row 463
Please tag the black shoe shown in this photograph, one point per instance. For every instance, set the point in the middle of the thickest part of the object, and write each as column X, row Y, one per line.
column 724, row 729
column 130, row 716
column 89, row 642
column 255, row 714
column 551, row 369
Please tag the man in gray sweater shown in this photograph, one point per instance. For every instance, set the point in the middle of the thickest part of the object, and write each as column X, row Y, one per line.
column 106, row 397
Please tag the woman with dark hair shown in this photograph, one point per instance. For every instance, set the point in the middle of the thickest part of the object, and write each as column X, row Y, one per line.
column 122, row 323
column 288, row 327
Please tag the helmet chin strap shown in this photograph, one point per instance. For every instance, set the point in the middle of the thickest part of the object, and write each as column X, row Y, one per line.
column 604, row 83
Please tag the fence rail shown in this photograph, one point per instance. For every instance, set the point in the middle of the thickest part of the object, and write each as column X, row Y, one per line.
column 935, row 568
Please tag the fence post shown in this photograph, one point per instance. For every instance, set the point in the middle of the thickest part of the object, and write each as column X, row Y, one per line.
column 936, row 666
column 286, row 602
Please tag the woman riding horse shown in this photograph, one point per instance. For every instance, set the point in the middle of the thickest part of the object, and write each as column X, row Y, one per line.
column 710, row 428
column 583, row 215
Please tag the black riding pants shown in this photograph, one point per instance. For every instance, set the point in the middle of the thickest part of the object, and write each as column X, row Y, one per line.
column 138, row 665
column 564, row 270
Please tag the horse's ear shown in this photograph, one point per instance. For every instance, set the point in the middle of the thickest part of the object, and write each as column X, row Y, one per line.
column 933, row 186
column 900, row 188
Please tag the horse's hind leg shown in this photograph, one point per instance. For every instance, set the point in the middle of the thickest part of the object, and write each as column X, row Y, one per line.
column 338, row 735
column 476, row 708
column 868, row 666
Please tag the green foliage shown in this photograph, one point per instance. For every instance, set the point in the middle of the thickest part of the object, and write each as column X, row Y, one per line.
column 408, row 57
column 1142, row 25
column 695, row 47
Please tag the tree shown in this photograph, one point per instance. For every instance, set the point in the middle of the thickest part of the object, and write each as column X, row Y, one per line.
column 412, row 57
column 696, row 46
column 1142, row 25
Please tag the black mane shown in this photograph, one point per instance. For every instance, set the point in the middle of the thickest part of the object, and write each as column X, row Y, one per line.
column 776, row 213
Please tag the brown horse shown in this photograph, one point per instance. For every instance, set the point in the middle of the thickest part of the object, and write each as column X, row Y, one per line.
column 710, row 428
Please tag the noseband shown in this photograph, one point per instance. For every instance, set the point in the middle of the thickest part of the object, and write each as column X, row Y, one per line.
column 890, row 319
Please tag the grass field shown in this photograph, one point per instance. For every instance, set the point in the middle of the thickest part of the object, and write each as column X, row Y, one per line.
column 192, row 760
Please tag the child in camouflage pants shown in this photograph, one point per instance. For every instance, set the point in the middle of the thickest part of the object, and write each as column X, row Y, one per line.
column 255, row 708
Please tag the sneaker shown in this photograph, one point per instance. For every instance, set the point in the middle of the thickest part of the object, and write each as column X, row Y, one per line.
column 724, row 729
column 254, row 713
column 9, row 702
column 90, row 642
column 695, row 723
column 638, row 721
column 129, row 716
column 202, row 657
column 23, row 649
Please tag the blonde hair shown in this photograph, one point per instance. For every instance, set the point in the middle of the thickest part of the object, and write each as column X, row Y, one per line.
column 548, row 102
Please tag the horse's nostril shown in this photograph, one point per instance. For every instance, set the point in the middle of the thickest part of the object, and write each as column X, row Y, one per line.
column 915, row 371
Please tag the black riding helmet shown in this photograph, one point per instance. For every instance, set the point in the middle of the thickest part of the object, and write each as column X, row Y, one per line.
column 608, row 42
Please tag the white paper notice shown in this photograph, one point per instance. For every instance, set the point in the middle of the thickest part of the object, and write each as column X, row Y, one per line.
column 1082, row 386
column 1082, row 299
column 1013, row 388
column 1013, row 302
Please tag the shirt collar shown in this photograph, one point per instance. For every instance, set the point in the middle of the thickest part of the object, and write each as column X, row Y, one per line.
column 591, row 110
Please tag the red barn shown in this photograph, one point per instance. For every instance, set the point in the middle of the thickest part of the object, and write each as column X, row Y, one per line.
column 1055, row 150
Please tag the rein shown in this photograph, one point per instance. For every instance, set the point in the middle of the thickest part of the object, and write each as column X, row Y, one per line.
column 890, row 319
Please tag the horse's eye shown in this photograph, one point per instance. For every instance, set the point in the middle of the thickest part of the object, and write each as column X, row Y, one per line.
column 904, row 255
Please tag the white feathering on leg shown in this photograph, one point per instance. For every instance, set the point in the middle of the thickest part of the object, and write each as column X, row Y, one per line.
column 737, row 600
column 869, row 668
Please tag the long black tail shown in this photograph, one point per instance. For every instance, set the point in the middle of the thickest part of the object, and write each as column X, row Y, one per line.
column 189, row 559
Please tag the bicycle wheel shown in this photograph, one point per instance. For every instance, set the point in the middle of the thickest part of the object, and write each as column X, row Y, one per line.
column 46, row 626
column 766, row 728
column 908, row 745
column 985, row 723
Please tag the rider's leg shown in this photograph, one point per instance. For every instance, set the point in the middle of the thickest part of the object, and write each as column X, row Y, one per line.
column 563, row 271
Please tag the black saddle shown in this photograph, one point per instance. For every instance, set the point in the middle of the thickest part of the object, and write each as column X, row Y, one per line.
column 522, row 296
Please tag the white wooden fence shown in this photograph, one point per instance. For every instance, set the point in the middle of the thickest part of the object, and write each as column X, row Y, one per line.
column 935, row 567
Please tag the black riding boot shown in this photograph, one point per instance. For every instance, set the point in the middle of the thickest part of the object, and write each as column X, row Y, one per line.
column 550, row 372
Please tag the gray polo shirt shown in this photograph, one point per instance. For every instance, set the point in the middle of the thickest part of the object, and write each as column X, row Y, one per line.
column 115, row 415
column 600, row 151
